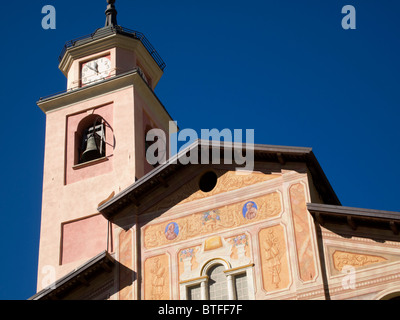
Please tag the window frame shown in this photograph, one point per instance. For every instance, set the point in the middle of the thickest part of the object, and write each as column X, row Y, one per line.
column 229, row 272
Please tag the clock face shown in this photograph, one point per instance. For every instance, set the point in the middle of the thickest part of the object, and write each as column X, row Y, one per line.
column 96, row 70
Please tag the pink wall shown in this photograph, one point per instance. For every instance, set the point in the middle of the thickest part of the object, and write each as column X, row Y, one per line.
column 83, row 239
column 144, row 119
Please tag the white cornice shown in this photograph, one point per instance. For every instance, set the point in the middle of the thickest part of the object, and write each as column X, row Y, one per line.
column 129, row 79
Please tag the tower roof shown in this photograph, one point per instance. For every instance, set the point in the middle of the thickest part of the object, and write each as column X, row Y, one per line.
column 112, row 28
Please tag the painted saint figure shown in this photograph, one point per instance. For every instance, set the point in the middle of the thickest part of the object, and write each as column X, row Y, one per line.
column 171, row 231
column 250, row 210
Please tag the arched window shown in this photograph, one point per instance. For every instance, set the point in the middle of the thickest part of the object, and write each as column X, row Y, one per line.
column 392, row 296
column 90, row 139
column 217, row 283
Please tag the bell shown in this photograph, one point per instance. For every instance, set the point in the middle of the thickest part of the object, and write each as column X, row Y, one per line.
column 91, row 152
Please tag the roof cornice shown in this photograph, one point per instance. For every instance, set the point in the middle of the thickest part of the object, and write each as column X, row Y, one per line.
column 354, row 217
column 101, row 263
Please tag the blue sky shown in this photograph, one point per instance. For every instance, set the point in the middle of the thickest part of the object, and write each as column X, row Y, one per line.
column 286, row 69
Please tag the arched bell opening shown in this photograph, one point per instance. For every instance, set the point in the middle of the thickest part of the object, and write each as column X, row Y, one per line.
column 90, row 139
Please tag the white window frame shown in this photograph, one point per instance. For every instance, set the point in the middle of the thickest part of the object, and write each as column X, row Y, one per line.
column 186, row 285
column 232, row 273
column 229, row 272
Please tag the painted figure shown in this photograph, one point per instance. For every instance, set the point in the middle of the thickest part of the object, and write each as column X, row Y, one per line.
column 171, row 231
column 250, row 210
column 158, row 280
column 272, row 257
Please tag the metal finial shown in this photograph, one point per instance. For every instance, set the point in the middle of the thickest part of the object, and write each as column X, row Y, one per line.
column 111, row 14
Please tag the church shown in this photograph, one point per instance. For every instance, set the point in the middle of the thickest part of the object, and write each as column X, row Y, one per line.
column 115, row 227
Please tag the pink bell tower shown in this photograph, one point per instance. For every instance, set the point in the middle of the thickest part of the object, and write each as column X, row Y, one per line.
column 95, row 140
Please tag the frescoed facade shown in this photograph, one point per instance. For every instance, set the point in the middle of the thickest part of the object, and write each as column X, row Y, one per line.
column 115, row 227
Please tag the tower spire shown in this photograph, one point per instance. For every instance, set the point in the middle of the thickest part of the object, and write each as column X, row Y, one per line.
column 111, row 14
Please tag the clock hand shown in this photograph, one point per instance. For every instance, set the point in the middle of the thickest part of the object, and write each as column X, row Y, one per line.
column 95, row 70
column 97, row 67
column 90, row 67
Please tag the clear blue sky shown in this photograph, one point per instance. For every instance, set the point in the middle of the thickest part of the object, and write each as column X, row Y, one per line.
column 284, row 68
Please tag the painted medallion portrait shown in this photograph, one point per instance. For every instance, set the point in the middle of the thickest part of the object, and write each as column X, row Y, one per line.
column 171, row 231
column 249, row 210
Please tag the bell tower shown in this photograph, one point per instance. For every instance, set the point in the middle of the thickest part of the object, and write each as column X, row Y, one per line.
column 95, row 139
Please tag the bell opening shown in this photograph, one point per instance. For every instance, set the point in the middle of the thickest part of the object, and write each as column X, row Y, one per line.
column 93, row 144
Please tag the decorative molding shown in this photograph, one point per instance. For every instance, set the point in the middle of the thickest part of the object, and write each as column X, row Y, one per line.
column 326, row 234
column 212, row 262
column 312, row 294
column 194, row 281
column 356, row 260
column 365, row 284
column 239, row 270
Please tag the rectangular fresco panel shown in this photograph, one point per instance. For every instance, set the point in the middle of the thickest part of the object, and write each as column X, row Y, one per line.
column 203, row 223
column 274, row 262
column 156, row 278
column 305, row 254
